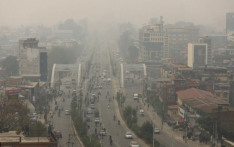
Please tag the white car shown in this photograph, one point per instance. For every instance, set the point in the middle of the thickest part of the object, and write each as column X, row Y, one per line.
column 104, row 80
column 156, row 131
column 109, row 79
column 134, row 144
column 128, row 135
column 67, row 112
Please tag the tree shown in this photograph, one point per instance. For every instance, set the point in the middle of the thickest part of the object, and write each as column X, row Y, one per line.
column 133, row 53
column 206, row 122
column 58, row 55
column 11, row 65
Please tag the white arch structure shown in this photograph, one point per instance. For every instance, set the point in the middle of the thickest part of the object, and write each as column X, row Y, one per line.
column 65, row 67
column 131, row 67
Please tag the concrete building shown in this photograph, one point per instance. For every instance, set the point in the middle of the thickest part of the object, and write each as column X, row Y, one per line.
column 187, row 34
column 229, row 21
column 230, row 35
column 153, row 42
column 209, row 41
column 32, row 59
column 197, row 54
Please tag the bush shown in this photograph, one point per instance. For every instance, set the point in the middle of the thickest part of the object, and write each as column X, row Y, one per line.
column 145, row 131
column 81, row 127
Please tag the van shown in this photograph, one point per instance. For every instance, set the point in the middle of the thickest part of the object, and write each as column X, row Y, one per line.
column 142, row 112
column 135, row 96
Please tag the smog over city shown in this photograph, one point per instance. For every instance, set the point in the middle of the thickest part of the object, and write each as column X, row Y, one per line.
column 98, row 73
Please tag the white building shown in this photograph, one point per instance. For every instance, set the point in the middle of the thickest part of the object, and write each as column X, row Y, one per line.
column 32, row 59
column 197, row 54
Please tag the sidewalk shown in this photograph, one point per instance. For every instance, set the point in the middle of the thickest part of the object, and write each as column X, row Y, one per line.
column 41, row 116
column 178, row 135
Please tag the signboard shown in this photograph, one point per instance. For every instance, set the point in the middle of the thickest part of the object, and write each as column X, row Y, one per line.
column 181, row 112
column 13, row 91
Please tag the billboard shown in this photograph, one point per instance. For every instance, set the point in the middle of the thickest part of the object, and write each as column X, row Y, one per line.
column 14, row 91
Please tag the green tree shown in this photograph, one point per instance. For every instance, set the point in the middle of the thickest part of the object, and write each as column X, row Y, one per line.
column 11, row 65
column 206, row 122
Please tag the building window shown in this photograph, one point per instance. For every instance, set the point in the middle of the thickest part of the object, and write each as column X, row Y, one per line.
column 170, row 98
column 170, row 90
column 218, row 94
column 174, row 112
column 207, row 87
column 225, row 94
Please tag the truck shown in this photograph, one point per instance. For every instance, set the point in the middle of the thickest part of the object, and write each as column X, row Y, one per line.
column 96, row 113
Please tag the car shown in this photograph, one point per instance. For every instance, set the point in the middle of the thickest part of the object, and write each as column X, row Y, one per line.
column 74, row 92
column 89, row 111
column 102, row 77
column 104, row 80
column 34, row 115
column 58, row 134
column 67, row 85
column 102, row 133
column 87, row 119
column 92, row 106
column 109, row 79
column 134, row 144
column 100, row 87
column 96, row 120
column 67, row 112
column 33, row 119
column 128, row 135
column 156, row 131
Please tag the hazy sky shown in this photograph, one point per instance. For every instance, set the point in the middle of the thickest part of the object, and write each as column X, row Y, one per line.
column 49, row 12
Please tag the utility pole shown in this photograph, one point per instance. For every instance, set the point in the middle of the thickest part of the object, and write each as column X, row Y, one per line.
column 172, row 138
column 153, row 134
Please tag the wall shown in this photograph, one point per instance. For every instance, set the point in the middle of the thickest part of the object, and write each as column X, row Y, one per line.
column 190, row 55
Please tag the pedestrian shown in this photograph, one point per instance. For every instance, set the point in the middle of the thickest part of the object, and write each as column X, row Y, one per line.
column 183, row 137
column 206, row 140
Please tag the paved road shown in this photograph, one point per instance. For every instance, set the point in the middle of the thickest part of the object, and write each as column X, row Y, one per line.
column 106, row 114
column 137, row 87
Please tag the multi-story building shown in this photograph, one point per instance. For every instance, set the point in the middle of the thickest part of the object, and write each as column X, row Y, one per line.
column 153, row 42
column 197, row 55
column 209, row 41
column 32, row 59
column 229, row 22
column 187, row 34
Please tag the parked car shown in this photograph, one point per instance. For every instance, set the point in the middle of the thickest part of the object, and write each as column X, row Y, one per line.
column 156, row 131
column 33, row 119
column 58, row 134
column 128, row 135
column 134, row 144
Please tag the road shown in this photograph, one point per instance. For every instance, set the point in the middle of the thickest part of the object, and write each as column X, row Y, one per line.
column 136, row 87
column 101, row 55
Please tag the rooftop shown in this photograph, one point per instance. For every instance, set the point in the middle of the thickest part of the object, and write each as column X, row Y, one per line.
column 173, row 106
column 193, row 92
column 12, row 137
